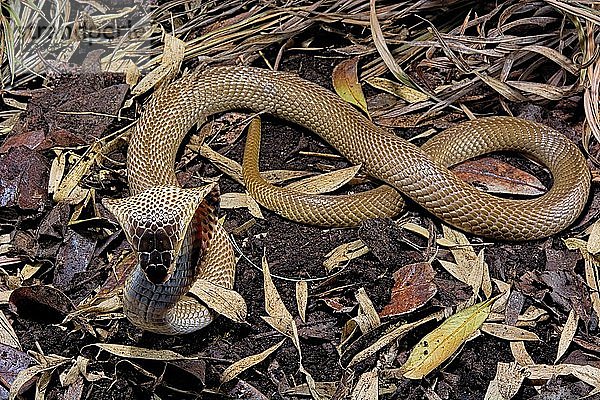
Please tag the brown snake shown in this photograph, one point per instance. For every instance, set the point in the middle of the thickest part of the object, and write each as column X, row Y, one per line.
column 174, row 231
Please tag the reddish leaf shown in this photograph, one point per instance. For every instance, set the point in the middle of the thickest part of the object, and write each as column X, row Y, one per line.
column 23, row 179
column 413, row 288
column 495, row 176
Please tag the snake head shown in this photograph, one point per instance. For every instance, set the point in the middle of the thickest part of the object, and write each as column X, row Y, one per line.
column 155, row 223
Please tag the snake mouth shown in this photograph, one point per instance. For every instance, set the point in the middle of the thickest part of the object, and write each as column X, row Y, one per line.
column 157, row 265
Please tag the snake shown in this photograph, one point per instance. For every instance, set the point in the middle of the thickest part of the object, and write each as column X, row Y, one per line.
column 175, row 233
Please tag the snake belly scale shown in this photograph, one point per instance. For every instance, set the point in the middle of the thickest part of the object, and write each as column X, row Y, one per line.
column 154, row 295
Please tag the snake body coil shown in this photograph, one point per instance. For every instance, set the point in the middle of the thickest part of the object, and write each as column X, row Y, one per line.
column 418, row 173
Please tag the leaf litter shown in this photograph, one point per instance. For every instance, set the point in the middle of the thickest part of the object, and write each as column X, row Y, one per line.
column 443, row 67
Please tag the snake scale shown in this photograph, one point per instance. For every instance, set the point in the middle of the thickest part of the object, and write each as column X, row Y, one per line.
column 175, row 233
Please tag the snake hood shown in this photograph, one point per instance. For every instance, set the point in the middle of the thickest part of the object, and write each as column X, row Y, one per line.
column 156, row 222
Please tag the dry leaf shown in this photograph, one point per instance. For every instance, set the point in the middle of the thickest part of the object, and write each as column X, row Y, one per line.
column 302, row 298
column 520, row 354
column 173, row 52
column 346, row 85
column 367, row 387
column 327, row 182
column 241, row 200
column 279, row 317
column 397, row 89
column 508, row 332
column 439, row 345
column 496, row 176
column 241, row 365
column 593, row 243
column 382, row 48
column 140, row 352
column 586, row 373
column 413, row 288
column 341, row 255
column 367, row 317
column 231, row 168
column 8, row 336
column 567, row 334
column 389, row 337
column 224, row 301
column 508, row 380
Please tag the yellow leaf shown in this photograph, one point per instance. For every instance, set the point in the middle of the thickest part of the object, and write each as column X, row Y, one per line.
column 346, row 85
column 437, row 346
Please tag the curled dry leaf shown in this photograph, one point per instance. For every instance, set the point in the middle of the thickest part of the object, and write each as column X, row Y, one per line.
column 229, row 167
column 439, row 345
column 585, row 373
column 508, row 380
column 413, row 287
column 389, row 337
column 224, row 301
column 593, row 243
column 241, row 365
column 241, row 200
column 496, row 176
column 346, row 85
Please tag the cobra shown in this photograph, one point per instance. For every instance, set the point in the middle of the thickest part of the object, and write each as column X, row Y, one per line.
column 174, row 231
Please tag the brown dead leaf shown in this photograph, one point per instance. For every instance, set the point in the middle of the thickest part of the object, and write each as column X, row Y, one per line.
column 41, row 303
column 496, row 176
column 74, row 256
column 413, row 288
column 346, row 85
